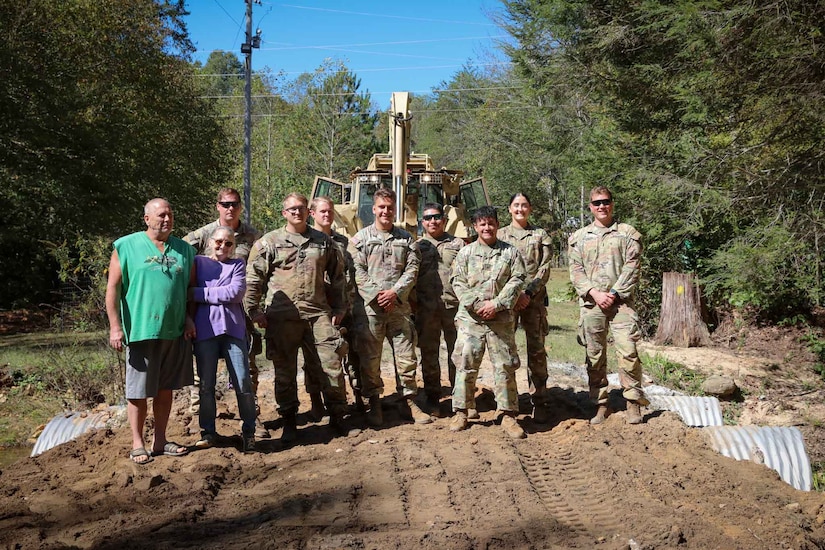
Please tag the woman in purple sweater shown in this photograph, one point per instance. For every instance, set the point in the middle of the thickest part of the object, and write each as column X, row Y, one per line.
column 221, row 332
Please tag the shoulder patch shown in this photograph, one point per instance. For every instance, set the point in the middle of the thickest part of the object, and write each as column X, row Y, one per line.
column 630, row 231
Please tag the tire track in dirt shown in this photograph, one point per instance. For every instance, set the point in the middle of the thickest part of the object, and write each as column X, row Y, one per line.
column 568, row 486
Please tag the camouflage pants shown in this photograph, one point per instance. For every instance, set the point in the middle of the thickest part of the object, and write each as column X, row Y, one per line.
column 533, row 320
column 473, row 338
column 284, row 337
column 623, row 322
column 398, row 329
column 430, row 324
column 314, row 384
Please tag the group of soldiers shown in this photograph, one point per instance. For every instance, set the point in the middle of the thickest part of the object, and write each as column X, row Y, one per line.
column 337, row 300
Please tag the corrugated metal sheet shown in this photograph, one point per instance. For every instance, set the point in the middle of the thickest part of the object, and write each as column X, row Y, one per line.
column 694, row 411
column 779, row 448
column 65, row 427
column 650, row 389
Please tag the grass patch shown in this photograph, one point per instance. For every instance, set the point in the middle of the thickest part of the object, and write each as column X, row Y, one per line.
column 818, row 474
column 46, row 373
column 21, row 414
column 563, row 321
column 673, row 375
column 731, row 411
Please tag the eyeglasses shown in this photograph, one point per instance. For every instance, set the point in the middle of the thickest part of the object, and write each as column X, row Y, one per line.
column 220, row 242
column 602, row 202
column 295, row 209
column 428, row 217
column 230, row 204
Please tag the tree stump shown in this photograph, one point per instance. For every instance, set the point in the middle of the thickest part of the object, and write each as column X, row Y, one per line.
column 680, row 320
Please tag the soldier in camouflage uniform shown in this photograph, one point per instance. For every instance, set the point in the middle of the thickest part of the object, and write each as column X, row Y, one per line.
column 229, row 208
column 322, row 210
column 436, row 303
column 487, row 278
column 386, row 265
column 291, row 266
column 536, row 249
column 605, row 262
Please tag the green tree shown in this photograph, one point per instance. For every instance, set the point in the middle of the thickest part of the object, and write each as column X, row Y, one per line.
column 714, row 110
column 340, row 120
column 101, row 113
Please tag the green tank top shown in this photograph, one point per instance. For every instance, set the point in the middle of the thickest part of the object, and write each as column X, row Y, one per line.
column 153, row 290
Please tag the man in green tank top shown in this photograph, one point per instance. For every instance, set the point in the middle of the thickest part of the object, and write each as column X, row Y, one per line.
column 149, row 274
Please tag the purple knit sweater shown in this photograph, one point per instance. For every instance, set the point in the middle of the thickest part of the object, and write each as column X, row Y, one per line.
column 219, row 293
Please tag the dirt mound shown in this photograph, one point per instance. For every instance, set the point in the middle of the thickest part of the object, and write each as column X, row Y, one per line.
column 569, row 484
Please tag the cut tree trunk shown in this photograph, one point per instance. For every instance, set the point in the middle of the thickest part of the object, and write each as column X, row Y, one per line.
column 680, row 320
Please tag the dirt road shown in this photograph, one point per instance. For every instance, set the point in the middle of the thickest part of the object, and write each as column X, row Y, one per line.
column 569, row 484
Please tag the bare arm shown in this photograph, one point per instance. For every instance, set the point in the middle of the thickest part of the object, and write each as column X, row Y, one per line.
column 116, row 336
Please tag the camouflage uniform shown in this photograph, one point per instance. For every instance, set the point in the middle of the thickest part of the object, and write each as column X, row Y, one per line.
column 436, row 307
column 481, row 273
column 536, row 249
column 351, row 363
column 384, row 261
column 245, row 236
column 292, row 269
column 608, row 259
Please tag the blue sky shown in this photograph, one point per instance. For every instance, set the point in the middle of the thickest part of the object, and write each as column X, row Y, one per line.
column 413, row 48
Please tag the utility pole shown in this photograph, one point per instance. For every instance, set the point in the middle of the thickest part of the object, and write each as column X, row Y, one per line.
column 246, row 49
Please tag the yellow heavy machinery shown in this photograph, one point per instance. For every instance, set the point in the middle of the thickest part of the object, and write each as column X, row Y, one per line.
column 414, row 178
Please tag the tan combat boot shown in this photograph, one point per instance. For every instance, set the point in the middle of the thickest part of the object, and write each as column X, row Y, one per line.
column 472, row 414
column 410, row 409
column 601, row 415
column 375, row 417
column 634, row 412
column 459, row 421
column 511, row 427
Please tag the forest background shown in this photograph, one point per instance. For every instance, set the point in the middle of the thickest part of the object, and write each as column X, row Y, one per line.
column 705, row 118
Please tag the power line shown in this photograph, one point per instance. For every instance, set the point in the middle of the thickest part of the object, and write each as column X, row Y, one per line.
column 239, row 25
column 394, row 43
column 435, row 91
column 363, row 44
column 428, row 111
column 388, row 16
column 356, row 71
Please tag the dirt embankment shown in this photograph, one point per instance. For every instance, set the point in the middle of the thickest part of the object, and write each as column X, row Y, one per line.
column 569, row 484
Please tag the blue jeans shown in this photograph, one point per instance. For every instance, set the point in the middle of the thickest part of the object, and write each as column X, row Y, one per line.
column 233, row 350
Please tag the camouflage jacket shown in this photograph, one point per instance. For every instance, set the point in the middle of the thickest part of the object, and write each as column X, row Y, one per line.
column 433, row 288
column 384, row 261
column 341, row 243
column 481, row 273
column 302, row 275
column 536, row 250
column 245, row 236
column 605, row 258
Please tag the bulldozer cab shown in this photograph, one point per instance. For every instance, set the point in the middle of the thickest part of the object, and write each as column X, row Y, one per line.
column 414, row 179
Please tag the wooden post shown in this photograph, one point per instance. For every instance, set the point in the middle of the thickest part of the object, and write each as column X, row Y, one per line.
column 680, row 320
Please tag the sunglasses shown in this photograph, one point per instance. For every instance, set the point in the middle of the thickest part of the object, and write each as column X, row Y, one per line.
column 295, row 209
column 230, row 204
column 602, row 202
column 428, row 217
column 220, row 242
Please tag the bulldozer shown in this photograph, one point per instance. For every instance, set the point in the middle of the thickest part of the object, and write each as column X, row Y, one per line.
column 414, row 179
